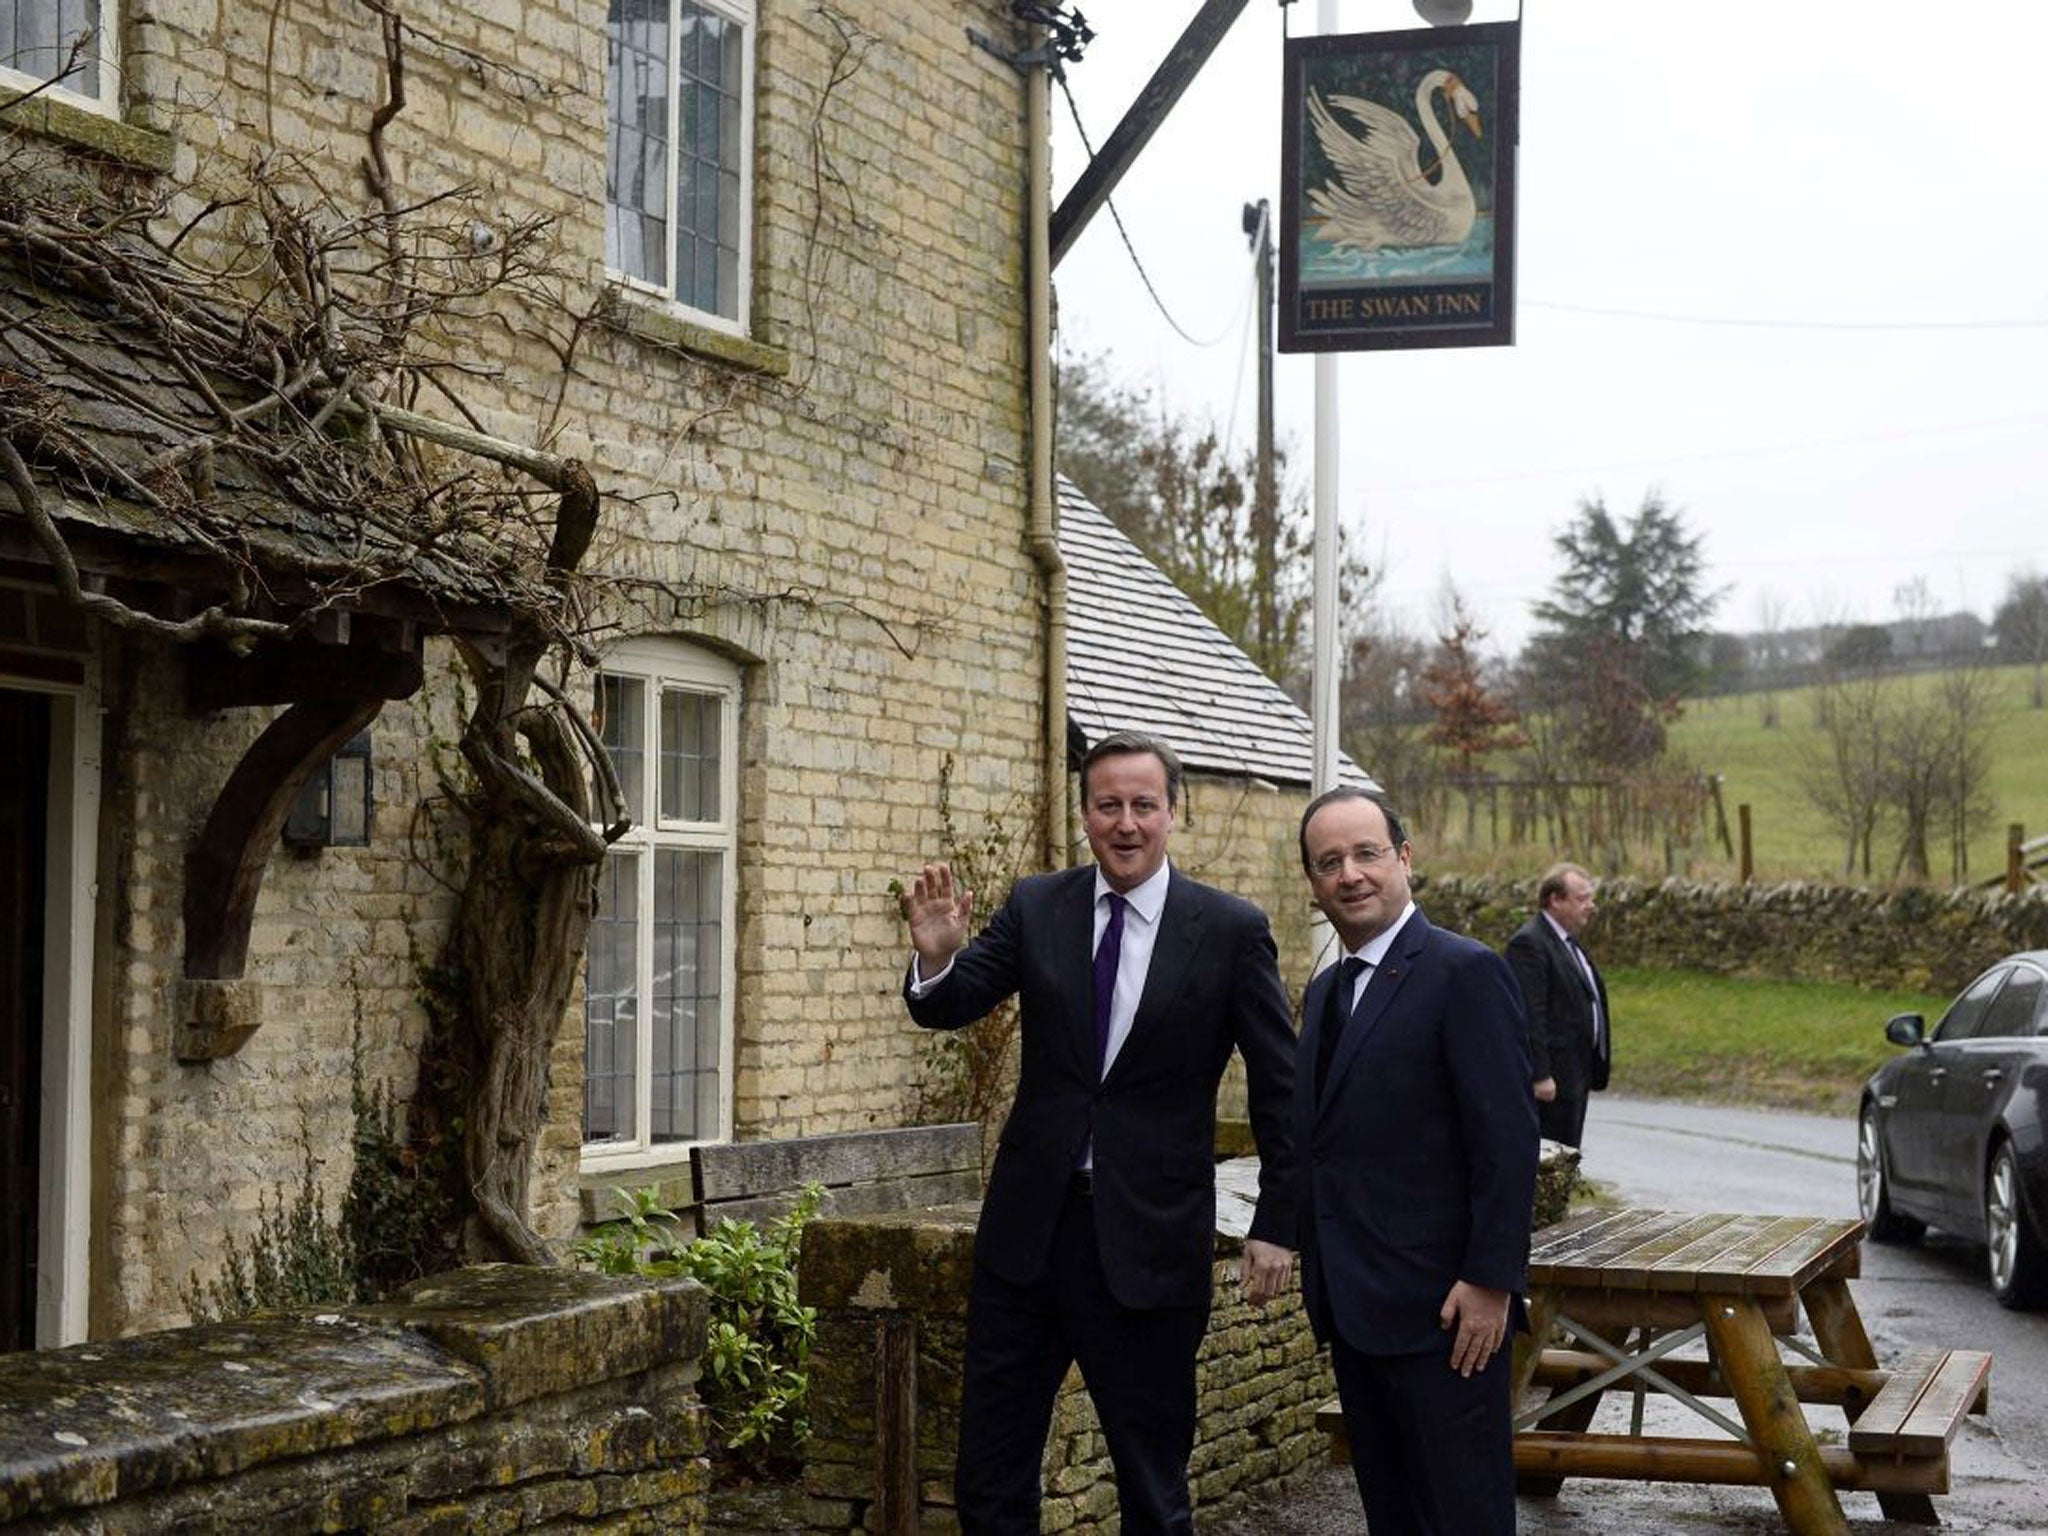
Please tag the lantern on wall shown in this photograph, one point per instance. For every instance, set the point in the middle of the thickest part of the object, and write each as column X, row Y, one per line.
column 335, row 807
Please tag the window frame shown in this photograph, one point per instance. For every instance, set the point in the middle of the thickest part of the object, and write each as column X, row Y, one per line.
column 662, row 666
column 746, row 15
column 107, row 101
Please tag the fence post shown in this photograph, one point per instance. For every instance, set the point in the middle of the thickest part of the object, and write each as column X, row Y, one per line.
column 2015, row 858
column 1720, row 811
column 896, row 1502
column 1748, row 866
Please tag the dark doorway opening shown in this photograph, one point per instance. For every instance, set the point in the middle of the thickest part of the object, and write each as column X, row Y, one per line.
column 24, row 857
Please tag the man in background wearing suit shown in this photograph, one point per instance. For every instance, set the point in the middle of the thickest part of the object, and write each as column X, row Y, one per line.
column 1570, row 1048
column 1417, row 1140
column 1097, row 1235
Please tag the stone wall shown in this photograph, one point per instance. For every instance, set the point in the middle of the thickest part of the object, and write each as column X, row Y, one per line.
column 1242, row 835
column 1260, row 1382
column 500, row 1399
column 1912, row 938
column 835, row 502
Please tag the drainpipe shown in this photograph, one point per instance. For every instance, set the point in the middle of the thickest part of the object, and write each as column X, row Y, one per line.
column 1043, row 528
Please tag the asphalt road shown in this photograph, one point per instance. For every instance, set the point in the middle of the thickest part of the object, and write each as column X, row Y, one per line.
column 1699, row 1157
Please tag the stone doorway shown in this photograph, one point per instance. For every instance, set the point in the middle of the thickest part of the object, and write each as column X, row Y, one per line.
column 24, row 858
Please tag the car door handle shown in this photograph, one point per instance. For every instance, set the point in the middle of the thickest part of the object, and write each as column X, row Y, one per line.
column 1936, row 1074
column 1993, row 1076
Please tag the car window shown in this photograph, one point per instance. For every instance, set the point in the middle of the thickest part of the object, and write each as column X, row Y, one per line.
column 1965, row 1016
column 2012, row 1012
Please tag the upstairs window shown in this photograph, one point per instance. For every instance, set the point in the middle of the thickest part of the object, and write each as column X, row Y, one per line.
column 64, row 44
column 679, row 146
column 657, row 1067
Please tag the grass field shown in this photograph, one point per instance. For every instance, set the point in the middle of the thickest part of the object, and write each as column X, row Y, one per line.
column 1761, row 768
column 1795, row 1044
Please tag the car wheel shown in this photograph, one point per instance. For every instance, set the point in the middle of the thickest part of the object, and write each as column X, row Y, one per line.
column 2019, row 1261
column 1873, row 1189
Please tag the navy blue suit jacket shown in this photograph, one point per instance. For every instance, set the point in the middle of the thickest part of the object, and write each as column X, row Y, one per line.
column 1419, row 1157
column 1213, row 986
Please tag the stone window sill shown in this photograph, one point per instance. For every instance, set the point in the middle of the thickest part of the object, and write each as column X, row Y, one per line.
column 599, row 1191
column 107, row 137
column 649, row 321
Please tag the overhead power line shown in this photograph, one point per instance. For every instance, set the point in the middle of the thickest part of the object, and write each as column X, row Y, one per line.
column 1074, row 109
column 1755, row 323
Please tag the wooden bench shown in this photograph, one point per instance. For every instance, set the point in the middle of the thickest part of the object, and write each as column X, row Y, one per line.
column 1903, row 1423
column 1921, row 1406
column 863, row 1172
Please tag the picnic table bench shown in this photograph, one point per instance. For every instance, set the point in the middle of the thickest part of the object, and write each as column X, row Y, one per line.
column 1627, row 1289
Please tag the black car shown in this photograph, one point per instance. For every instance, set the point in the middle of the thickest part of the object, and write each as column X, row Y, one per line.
column 1950, row 1134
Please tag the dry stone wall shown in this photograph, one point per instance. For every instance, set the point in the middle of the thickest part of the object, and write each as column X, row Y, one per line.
column 1260, row 1382
column 1914, row 937
column 494, row 1399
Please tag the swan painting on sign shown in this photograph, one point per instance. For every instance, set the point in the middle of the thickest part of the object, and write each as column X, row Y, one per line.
column 1397, row 190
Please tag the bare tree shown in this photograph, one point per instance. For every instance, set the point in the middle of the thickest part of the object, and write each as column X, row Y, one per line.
column 1384, row 719
column 1842, row 768
column 1474, row 719
column 295, row 340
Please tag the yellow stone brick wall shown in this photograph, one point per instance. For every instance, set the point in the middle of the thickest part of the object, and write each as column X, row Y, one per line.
column 1240, row 834
column 851, row 532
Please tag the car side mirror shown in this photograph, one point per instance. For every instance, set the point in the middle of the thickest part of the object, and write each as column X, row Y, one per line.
column 1906, row 1029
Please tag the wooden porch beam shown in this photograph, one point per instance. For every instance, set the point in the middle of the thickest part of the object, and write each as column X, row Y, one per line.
column 1099, row 177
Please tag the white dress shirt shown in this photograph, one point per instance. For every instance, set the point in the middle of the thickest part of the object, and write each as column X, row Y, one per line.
column 1372, row 952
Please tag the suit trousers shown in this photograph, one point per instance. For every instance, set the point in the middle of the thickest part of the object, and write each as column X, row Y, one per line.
column 1139, row 1366
column 1564, row 1117
column 1433, row 1451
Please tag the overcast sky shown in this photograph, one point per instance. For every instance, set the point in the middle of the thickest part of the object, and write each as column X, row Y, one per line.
column 1785, row 261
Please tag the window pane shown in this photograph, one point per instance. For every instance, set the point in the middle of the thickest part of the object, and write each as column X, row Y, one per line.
column 636, row 139
column 712, row 88
column 37, row 37
column 611, row 1003
column 2012, row 1011
column 689, row 756
column 1966, row 1014
column 688, row 940
column 622, row 727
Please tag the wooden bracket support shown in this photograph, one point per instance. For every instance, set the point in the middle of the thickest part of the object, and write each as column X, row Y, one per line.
column 218, row 1009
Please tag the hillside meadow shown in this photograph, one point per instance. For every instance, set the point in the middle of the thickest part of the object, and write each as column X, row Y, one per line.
column 1761, row 767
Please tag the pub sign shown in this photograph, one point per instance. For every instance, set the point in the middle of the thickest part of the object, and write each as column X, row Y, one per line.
column 1397, row 191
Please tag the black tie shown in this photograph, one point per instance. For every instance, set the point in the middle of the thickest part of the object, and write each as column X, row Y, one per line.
column 1336, row 1013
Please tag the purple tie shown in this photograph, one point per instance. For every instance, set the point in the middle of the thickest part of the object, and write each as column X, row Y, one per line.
column 1105, row 978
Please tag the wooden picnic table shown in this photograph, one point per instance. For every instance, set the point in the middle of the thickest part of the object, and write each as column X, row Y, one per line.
column 1628, row 1288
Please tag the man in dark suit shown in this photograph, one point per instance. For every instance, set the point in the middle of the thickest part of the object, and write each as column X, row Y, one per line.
column 1097, row 1234
column 1570, row 1047
column 1417, row 1140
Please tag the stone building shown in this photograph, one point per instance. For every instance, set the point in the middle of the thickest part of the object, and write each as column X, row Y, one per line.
column 787, row 253
column 782, row 306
